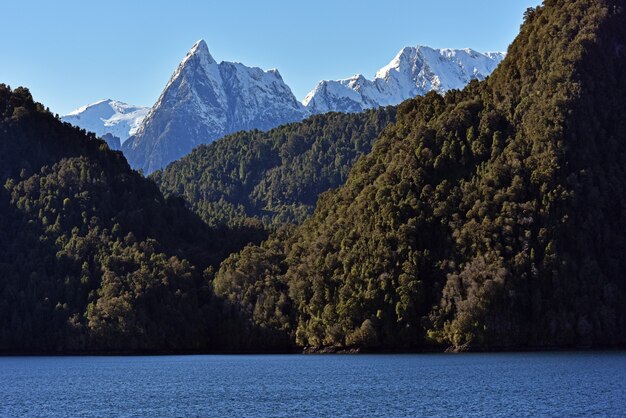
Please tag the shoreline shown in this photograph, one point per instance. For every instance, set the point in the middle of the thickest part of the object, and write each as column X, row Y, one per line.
column 316, row 351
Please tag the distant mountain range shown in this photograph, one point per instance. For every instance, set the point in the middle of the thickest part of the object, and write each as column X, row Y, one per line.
column 413, row 72
column 205, row 100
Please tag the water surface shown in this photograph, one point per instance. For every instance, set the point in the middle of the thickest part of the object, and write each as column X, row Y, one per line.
column 511, row 384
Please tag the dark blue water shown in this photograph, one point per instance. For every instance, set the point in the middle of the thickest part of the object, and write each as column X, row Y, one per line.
column 537, row 384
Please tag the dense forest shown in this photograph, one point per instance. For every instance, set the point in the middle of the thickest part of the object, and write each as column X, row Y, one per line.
column 491, row 217
column 92, row 257
column 273, row 176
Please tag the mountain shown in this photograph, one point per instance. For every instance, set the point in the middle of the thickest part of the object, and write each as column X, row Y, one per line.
column 489, row 218
column 413, row 72
column 274, row 176
column 92, row 256
column 492, row 217
column 204, row 101
column 108, row 116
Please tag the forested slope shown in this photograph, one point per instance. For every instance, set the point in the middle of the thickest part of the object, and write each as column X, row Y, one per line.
column 492, row 217
column 92, row 257
column 274, row 176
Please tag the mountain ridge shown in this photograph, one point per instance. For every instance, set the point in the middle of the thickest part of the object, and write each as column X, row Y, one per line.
column 414, row 71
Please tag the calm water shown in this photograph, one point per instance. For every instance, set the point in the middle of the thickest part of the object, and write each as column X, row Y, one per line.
column 537, row 384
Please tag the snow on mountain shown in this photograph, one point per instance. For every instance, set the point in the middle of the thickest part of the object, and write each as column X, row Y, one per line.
column 204, row 101
column 414, row 71
column 108, row 117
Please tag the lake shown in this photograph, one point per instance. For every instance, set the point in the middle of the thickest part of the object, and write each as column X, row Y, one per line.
column 508, row 384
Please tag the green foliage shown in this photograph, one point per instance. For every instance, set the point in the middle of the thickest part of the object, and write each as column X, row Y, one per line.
column 493, row 216
column 274, row 176
column 490, row 217
column 92, row 257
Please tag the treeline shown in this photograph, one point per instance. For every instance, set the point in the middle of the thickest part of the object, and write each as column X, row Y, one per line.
column 491, row 217
column 273, row 176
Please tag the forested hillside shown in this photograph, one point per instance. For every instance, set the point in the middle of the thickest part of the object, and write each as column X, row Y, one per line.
column 92, row 257
column 275, row 176
column 492, row 217
column 489, row 218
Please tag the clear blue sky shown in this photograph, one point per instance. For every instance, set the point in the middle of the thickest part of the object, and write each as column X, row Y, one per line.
column 74, row 52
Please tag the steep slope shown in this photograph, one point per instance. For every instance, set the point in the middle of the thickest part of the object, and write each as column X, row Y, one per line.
column 413, row 72
column 92, row 257
column 108, row 117
column 492, row 217
column 274, row 176
column 204, row 101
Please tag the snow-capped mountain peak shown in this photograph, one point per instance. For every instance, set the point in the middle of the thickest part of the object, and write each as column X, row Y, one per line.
column 108, row 117
column 201, row 48
column 204, row 101
column 400, row 62
column 413, row 71
column 200, row 52
column 198, row 58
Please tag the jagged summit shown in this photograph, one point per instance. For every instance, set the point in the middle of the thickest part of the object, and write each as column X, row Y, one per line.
column 413, row 71
column 275, row 72
column 200, row 48
column 200, row 45
column 204, row 101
